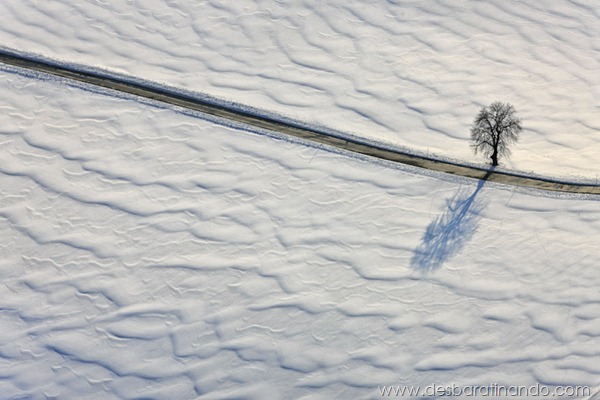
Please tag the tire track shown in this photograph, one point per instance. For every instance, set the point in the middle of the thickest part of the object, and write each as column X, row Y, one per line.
column 288, row 128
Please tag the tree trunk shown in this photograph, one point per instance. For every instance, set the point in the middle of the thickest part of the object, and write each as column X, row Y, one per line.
column 495, row 157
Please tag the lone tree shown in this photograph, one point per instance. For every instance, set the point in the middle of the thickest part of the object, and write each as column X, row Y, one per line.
column 494, row 129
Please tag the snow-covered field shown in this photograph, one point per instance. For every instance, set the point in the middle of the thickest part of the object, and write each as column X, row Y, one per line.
column 149, row 253
column 412, row 73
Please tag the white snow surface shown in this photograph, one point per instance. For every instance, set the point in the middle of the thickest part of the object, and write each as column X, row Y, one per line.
column 152, row 254
column 410, row 73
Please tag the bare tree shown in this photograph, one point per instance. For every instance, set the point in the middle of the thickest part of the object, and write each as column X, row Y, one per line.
column 494, row 129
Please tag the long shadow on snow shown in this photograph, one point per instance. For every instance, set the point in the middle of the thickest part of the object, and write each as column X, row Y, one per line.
column 449, row 232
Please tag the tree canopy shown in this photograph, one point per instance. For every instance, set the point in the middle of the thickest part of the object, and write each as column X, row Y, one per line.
column 495, row 127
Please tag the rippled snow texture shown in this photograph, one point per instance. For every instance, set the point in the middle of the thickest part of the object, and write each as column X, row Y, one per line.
column 149, row 254
column 412, row 73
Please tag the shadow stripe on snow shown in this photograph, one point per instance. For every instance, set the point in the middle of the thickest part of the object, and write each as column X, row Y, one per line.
column 289, row 128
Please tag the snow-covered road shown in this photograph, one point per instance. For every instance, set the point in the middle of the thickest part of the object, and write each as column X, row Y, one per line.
column 240, row 114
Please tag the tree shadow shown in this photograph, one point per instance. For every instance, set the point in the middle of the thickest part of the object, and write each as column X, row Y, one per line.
column 449, row 232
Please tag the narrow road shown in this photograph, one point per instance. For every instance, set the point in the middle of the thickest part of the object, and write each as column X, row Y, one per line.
column 264, row 122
